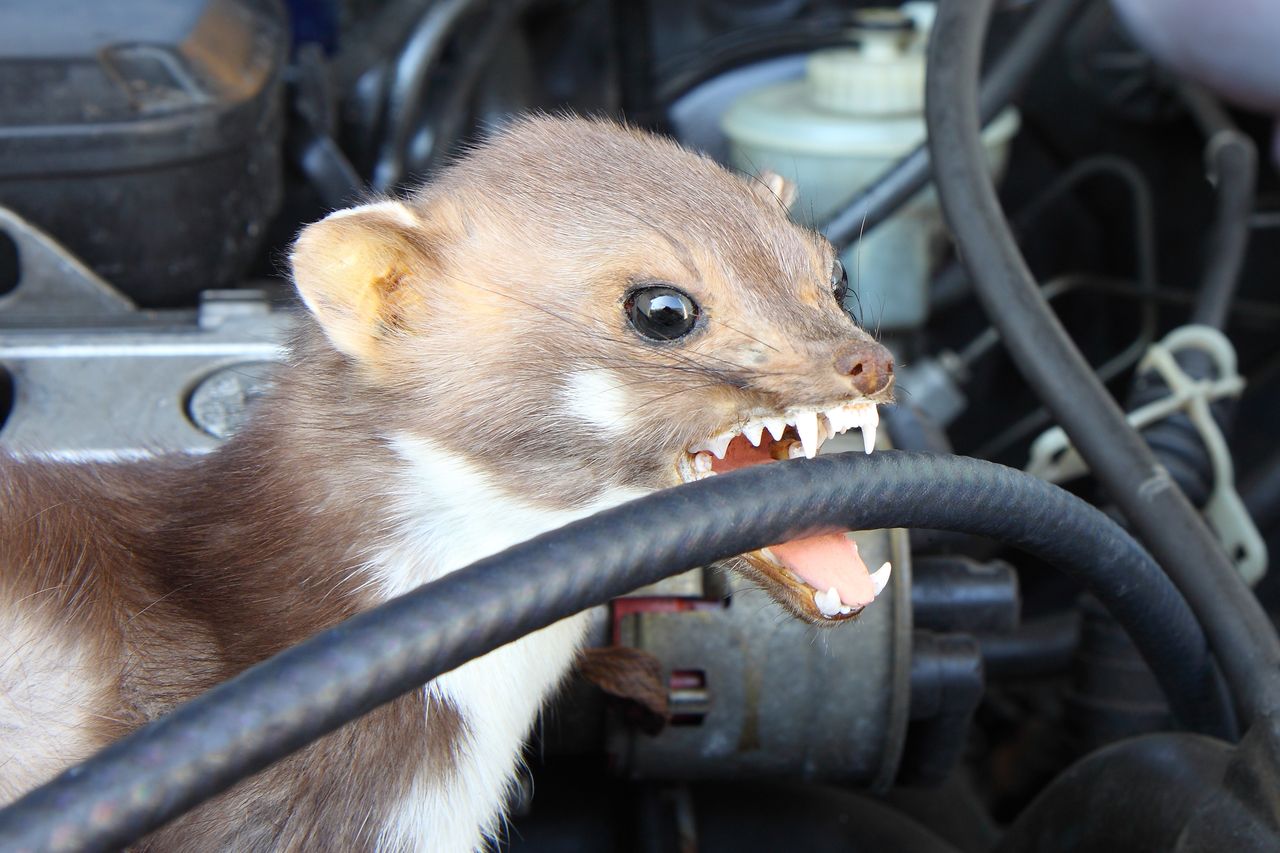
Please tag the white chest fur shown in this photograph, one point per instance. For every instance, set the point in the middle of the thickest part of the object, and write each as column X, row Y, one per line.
column 452, row 516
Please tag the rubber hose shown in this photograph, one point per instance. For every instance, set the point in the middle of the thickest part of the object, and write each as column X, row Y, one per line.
column 1232, row 161
column 410, row 75
column 1136, row 795
column 878, row 200
column 278, row 706
column 1242, row 637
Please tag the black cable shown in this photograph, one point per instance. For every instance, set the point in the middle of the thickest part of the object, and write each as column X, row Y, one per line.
column 985, row 341
column 1232, row 161
column 1246, row 312
column 475, row 62
column 878, row 200
column 1242, row 637
column 952, row 285
column 278, row 706
column 745, row 46
column 410, row 74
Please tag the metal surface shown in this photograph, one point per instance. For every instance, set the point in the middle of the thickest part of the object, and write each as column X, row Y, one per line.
column 779, row 698
column 95, row 379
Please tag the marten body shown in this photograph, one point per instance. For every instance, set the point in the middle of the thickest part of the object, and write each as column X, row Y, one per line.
column 492, row 358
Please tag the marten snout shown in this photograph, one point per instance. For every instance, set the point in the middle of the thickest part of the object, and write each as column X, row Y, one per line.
column 868, row 366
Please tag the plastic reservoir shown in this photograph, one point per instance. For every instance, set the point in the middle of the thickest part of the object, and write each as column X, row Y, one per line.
column 833, row 131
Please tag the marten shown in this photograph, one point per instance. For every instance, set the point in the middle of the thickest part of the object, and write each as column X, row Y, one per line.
column 574, row 314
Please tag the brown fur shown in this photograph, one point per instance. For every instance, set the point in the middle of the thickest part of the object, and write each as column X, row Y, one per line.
column 181, row 574
column 455, row 317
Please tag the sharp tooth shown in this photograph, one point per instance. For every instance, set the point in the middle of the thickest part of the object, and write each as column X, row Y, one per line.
column 776, row 427
column 807, row 426
column 794, row 450
column 880, row 578
column 869, row 422
column 717, row 445
column 753, row 432
column 828, row 602
column 702, row 463
column 838, row 419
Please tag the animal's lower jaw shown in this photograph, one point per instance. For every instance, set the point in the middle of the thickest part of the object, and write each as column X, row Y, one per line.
column 806, row 601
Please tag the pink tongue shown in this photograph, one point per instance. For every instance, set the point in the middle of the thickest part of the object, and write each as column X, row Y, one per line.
column 826, row 561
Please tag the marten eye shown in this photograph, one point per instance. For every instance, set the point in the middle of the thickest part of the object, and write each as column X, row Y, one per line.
column 839, row 282
column 661, row 313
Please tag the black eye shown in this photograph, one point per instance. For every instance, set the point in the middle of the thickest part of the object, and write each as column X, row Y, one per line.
column 661, row 313
column 839, row 282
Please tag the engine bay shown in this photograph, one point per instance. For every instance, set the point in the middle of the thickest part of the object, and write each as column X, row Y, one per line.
column 1009, row 688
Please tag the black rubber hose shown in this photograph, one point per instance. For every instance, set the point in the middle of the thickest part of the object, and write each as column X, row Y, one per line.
column 1242, row 637
column 410, row 75
column 278, row 706
column 878, row 200
column 1134, row 795
column 1232, row 161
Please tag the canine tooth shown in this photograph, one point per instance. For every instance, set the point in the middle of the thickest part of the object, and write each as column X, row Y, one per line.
column 776, row 427
column 753, row 431
column 794, row 450
column 807, row 427
column 702, row 463
column 717, row 445
column 828, row 602
column 869, row 422
column 880, row 578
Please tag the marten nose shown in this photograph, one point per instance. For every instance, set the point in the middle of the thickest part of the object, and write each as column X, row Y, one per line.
column 868, row 365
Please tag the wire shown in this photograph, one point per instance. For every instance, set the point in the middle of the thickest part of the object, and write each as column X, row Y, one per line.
column 1051, row 290
column 1232, row 160
column 409, row 77
column 280, row 705
column 1242, row 637
column 1144, row 247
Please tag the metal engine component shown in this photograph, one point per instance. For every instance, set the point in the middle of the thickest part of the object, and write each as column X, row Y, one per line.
column 755, row 695
column 96, row 379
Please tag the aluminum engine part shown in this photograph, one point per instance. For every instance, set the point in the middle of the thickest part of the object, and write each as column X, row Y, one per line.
column 756, row 693
column 96, row 379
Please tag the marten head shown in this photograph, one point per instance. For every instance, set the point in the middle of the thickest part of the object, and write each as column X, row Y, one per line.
column 575, row 307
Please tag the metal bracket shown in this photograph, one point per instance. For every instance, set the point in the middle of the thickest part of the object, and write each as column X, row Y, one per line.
column 95, row 379
column 53, row 285
column 1054, row 459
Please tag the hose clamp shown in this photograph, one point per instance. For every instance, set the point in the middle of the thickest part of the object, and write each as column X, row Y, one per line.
column 1054, row 459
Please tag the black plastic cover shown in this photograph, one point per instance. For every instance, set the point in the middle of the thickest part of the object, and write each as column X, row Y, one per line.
column 145, row 134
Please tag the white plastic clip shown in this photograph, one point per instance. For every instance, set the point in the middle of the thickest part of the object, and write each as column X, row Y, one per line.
column 1054, row 459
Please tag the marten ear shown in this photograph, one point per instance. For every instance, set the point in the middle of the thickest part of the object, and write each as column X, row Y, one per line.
column 772, row 188
column 361, row 272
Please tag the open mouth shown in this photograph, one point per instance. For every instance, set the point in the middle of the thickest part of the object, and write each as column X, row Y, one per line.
column 821, row 577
